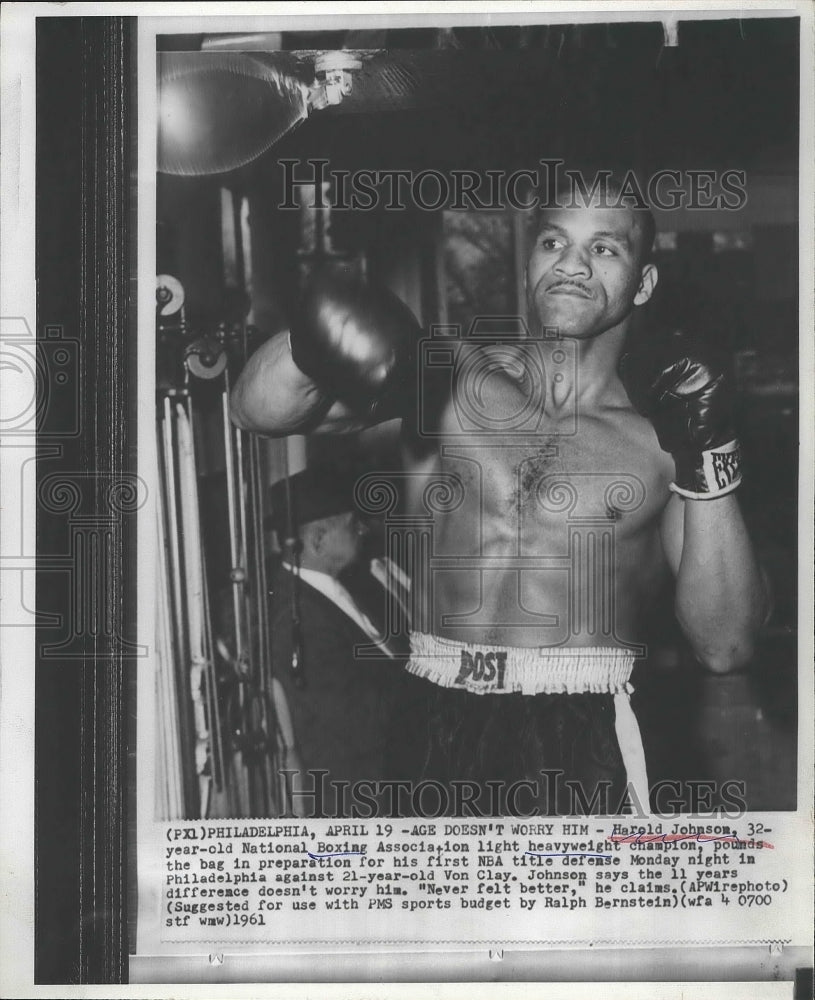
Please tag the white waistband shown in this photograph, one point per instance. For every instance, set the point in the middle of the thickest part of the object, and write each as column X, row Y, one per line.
column 493, row 669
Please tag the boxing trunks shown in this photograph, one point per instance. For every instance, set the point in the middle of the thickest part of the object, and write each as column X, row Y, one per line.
column 497, row 715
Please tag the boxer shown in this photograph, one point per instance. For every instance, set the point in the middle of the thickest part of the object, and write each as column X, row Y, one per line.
column 616, row 471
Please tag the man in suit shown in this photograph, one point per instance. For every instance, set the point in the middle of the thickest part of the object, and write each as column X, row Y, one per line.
column 339, row 672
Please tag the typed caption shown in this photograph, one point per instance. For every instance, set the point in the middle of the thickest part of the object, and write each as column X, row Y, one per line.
column 592, row 879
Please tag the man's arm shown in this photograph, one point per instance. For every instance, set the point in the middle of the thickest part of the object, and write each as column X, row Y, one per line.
column 344, row 365
column 272, row 396
column 684, row 389
column 721, row 597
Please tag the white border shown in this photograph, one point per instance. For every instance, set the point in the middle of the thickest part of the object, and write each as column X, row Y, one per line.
column 806, row 436
column 18, row 512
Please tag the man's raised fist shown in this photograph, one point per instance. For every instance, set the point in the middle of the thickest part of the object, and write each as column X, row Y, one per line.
column 683, row 388
column 356, row 341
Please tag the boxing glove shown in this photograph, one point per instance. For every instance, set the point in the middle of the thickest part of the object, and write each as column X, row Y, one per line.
column 683, row 388
column 356, row 341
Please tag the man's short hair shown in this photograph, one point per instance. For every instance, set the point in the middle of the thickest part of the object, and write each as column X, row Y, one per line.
column 571, row 184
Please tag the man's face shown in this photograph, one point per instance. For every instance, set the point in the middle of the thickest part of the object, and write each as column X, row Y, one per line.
column 584, row 274
column 343, row 539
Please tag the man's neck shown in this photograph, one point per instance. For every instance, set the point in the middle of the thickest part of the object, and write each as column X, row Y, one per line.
column 316, row 565
column 567, row 370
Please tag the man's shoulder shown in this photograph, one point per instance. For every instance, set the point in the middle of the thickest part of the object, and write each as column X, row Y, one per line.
column 282, row 585
column 631, row 438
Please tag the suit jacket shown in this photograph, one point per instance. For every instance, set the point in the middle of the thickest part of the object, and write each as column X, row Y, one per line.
column 342, row 716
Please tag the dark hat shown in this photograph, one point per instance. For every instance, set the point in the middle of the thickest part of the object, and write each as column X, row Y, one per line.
column 316, row 492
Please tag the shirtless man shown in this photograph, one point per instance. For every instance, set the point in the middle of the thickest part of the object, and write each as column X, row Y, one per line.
column 574, row 485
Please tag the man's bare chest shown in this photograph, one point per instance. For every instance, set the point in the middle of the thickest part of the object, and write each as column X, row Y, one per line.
column 596, row 467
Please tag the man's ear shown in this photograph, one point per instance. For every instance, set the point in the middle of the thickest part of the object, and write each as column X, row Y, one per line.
column 316, row 536
column 648, row 282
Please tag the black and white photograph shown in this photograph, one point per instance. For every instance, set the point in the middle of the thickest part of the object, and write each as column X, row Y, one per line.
column 423, row 495
column 432, row 503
